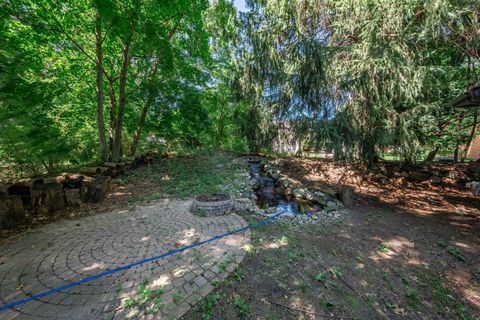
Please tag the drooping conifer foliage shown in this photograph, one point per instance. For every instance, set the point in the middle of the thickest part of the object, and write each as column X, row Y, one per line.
column 88, row 81
column 363, row 76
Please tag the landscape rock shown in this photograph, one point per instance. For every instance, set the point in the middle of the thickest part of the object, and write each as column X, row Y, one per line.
column 260, row 212
column 436, row 180
column 275, row 175
column 418, row 176
column 319, row 199
column 474, row 187
column 308, row 195
column 331, row 204
column 271, row 210
column 287, row 216
column 298, row 192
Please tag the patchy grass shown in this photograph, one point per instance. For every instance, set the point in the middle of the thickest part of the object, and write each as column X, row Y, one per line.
column 457, row 253
column 146, row 301
column 204, row 173
column 242, row 307
column 331, row 270
column 339, row 269
column 443, row 297
column 204, row 309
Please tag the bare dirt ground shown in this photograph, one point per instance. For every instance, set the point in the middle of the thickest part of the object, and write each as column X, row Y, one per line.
column 398, row 254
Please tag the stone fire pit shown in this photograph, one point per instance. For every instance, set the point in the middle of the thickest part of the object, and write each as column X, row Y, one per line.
column 213, row 204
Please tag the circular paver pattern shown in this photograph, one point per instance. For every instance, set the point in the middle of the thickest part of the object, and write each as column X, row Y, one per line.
column 60, row 253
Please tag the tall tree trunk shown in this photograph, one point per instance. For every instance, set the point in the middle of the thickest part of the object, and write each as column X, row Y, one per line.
column 143, row 115
column 432, row 154
column 138, row 132
column 458, row 137
column 100, row 93
column 122, row 99
column 148, row 102
column 113, row 108
column 221, row 126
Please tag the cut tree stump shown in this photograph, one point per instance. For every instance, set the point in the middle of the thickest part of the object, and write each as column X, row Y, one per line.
column 11, row 211
column 346, row 195
column 3, row 190
column 73, row 182
column 47, row 198
column 97, row 189
column 22, row 189
column 106, row 171
column 73, row 197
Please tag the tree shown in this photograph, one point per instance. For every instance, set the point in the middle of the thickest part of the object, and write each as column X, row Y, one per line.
column 133, row 45
column 363, row 75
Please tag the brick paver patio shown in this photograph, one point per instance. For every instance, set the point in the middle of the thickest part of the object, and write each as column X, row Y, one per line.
column 64, row 252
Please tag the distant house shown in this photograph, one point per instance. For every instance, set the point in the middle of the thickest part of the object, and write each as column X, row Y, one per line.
column 474, row 150
column 467, row 100
column 285, row 141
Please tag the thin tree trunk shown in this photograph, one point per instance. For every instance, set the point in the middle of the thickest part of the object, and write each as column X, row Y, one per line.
column 100, row 93
column 221, row 127
column 138, row 132
column 432, row 154
column 148, row 102
column 113, row 108
column 458, row 137
column 122, row 99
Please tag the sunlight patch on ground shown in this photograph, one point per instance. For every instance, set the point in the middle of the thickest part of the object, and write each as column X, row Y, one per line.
column 95, row 266
column 180, row 271
column 187, row 237
column 162, row 281
column 120, row 194
column 233, row 241
column 473, row 296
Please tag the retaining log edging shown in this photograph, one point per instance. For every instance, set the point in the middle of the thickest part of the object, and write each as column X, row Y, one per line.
column 45, row 196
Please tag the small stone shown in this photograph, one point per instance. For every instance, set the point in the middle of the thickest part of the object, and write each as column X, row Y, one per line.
column 419, row 176
column 287, row 216
column 331, row 204
column 320, row 200
column 260, row 212
column 271, row 210
column 436, row 179
column 298, row 192
column 308, row 196
column 200, row 281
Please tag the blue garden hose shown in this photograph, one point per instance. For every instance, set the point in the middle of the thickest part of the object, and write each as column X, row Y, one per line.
column 128, row 266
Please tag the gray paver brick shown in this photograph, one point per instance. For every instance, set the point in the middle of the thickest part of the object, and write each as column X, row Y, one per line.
column 107, row 241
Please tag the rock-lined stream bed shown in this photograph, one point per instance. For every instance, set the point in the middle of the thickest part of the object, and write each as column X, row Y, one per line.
column 274, row 193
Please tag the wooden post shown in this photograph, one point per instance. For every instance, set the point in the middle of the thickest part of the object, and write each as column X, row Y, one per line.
column 346, row 195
